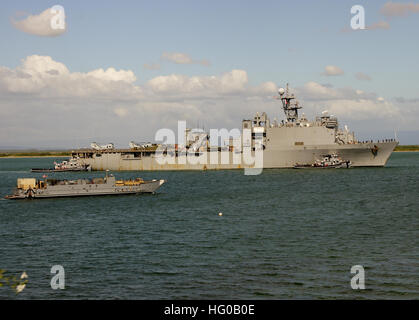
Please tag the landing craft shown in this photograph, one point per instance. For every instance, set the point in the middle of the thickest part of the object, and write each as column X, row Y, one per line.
column 32, row 188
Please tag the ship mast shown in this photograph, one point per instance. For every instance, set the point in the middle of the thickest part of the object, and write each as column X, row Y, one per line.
column 289, row 105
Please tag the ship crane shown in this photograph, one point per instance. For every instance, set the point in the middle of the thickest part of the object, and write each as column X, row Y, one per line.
column 289, row 104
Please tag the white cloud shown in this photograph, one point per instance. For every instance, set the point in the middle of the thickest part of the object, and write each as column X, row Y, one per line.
column 111, row 74
column 235, row 81
column 40, row 24
column 362, row 76
column 204, row 62
column 59, row 105
column 182, row 58
column 332, row 71
column 398, row 9
column 347, row 102
column 44, row 77
column 151, row 66
column 54, row 103
column 379, row 25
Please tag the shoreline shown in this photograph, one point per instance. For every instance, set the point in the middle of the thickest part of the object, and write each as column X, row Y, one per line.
column 49, row 156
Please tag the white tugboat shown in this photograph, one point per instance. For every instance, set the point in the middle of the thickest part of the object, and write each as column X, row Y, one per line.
column 73, row 164
column 329, row 161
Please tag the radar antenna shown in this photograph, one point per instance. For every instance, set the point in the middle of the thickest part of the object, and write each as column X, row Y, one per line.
column 289, row 105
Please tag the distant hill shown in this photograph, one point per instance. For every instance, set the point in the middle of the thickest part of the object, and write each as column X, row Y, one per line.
column 34, row 153
column 13, row 148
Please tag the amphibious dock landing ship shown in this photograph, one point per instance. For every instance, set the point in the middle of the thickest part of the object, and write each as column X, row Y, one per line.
column 31, row 188
column 284, row 144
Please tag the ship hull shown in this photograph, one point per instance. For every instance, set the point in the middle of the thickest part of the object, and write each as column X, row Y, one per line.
column 359, row 154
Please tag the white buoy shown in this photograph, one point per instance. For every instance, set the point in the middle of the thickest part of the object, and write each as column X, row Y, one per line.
column 220, row 214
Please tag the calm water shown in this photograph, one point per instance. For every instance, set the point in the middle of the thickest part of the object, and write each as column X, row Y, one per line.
column 283, row 234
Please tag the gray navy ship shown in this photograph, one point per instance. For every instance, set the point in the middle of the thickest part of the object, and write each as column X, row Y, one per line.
column 285, row 144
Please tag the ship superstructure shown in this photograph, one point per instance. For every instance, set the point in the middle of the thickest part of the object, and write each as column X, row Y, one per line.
column 284, row 144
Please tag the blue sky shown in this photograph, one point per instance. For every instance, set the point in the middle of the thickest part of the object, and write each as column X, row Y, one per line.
column 273, row 41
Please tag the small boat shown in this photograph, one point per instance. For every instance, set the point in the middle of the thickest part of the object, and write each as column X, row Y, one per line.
column 73, row 164
column 329, row 161
column 32, row 188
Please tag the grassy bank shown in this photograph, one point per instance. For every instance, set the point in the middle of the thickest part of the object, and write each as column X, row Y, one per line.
column 407, row 148
column 31, row 154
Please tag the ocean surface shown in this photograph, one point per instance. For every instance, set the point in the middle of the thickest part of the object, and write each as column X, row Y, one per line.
column 284, row 234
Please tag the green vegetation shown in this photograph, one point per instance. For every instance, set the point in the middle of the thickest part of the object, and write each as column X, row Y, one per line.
column 34, row 153
column 407, row 148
